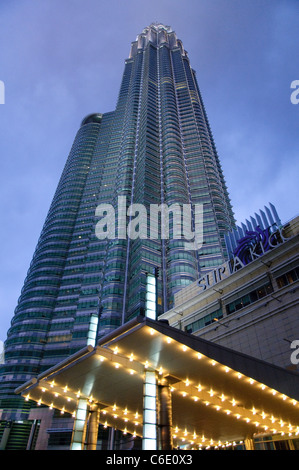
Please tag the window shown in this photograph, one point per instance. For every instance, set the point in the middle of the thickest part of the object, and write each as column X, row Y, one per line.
column 204, row 321
column 247, row 299
column 288, row 278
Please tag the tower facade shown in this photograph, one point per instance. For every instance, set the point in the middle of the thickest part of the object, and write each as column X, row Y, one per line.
column 100, row 239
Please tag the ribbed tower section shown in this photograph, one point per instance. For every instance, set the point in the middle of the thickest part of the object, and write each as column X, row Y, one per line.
column 155, row 148
column 43, row 323
column 174, row 162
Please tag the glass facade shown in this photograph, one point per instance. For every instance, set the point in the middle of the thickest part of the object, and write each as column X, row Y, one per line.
column 155, row 148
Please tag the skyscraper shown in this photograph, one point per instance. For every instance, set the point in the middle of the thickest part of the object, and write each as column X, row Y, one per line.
column 155, row 149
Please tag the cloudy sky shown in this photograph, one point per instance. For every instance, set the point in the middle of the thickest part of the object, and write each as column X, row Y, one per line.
column 63, row 59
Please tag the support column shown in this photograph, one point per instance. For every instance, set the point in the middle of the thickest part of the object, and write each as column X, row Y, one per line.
column 5, row 435
column 249, row 444
column 111, row 439
column 93, row 428
column 31, row 435
column 79, row 430
column 44, row 416
column 165, row 416
column 149, row 441
column 291, row 445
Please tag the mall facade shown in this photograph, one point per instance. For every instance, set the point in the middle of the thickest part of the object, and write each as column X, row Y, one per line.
column 254, row 309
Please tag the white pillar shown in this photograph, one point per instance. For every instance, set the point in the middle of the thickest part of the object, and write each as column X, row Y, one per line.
column 79, row 430
column 149, row 441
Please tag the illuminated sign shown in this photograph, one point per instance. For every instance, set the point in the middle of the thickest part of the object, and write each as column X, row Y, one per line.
column 250, row 247
column 150, row 304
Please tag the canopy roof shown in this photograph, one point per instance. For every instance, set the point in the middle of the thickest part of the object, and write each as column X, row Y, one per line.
column 218, row 395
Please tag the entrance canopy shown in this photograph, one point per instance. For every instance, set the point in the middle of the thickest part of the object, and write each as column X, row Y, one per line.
column 218, row 395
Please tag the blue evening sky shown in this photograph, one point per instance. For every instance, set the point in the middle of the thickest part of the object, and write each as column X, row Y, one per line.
column 63, row 59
